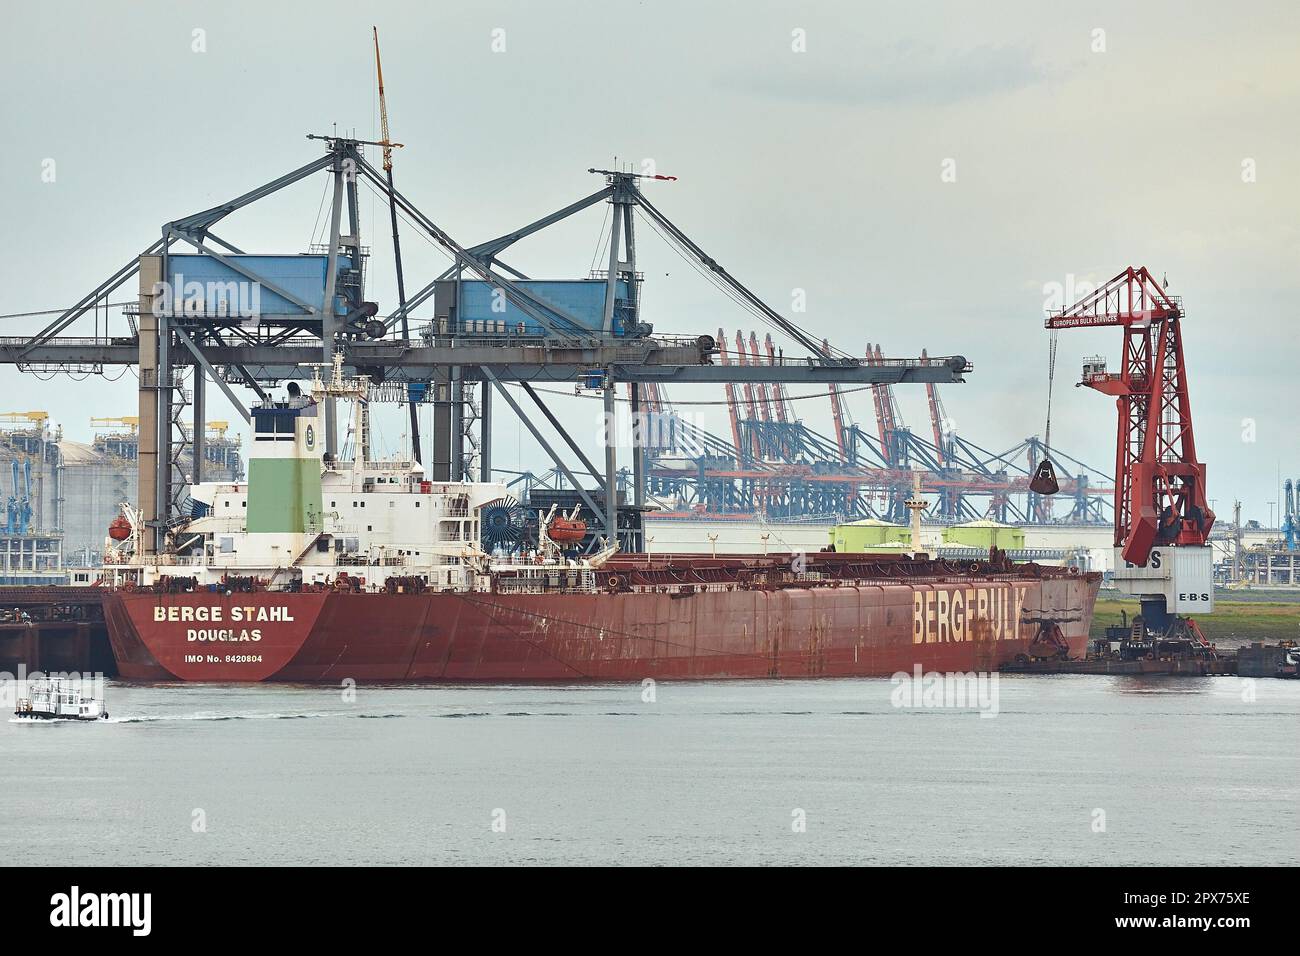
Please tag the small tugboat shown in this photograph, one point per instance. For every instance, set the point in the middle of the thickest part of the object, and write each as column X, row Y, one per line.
column 55, row 699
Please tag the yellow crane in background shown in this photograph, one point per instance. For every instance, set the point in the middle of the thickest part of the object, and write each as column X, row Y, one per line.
column 35, row 419
column 131, row 422
column 388, row 144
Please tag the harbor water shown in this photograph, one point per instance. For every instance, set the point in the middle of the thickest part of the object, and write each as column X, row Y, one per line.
column 1062, row 770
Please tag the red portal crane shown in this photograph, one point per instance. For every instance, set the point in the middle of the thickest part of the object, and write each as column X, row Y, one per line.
column 1160, row 484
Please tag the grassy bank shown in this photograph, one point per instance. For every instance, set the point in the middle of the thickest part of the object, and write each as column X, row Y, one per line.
column 1233, row 622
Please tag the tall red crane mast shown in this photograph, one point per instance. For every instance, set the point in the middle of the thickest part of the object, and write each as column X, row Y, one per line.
column 1160, row 485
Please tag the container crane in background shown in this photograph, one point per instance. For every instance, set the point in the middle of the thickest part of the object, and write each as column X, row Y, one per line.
column 944, row 441
column 939, row 423
column 1162, row 520
column 839, row 416
column 751, row 404
column 733, row 411
column 785, row 415
column 893, row 435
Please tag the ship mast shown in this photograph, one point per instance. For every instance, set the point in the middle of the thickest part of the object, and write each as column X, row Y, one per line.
column 357, row 391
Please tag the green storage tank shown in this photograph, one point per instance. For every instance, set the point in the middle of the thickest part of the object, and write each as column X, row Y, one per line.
column 869, row 534
column 985, row 534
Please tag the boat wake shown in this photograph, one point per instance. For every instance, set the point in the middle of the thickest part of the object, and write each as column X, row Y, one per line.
column 155, row 718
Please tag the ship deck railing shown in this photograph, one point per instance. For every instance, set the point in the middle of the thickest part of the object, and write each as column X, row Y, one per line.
column 820, row 583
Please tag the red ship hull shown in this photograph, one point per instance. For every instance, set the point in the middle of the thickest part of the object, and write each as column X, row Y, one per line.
column 972, row 623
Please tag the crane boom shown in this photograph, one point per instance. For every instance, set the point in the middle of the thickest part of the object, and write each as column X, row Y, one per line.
column 388, row 145
column 384, row 138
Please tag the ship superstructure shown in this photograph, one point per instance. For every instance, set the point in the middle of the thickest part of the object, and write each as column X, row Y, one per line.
column 304, row 520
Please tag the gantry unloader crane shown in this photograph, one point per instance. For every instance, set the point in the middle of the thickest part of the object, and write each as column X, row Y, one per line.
column 1162, row 520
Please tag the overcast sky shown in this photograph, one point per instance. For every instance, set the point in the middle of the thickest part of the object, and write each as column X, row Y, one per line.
column 1084, row 138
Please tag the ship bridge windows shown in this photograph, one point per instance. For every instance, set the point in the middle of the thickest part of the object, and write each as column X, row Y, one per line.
column 274, row 424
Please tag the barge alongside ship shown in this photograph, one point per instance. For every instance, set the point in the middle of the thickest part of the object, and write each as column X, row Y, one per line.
column 320, row 570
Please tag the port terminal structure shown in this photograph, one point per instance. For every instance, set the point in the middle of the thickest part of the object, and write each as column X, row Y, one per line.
column 314, row 306
column 773, row 466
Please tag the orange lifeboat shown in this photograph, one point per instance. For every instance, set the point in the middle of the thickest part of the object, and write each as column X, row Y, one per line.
column 564, row 530
column 119, row 529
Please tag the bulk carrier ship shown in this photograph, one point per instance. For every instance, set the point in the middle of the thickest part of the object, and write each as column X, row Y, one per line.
column 319, row 570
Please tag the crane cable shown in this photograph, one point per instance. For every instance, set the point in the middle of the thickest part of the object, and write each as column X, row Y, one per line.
column 1044, row 480
column 1051, row 378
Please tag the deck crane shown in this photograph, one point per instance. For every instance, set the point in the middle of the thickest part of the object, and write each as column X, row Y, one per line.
column 389, row 146
column 1162, row 520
